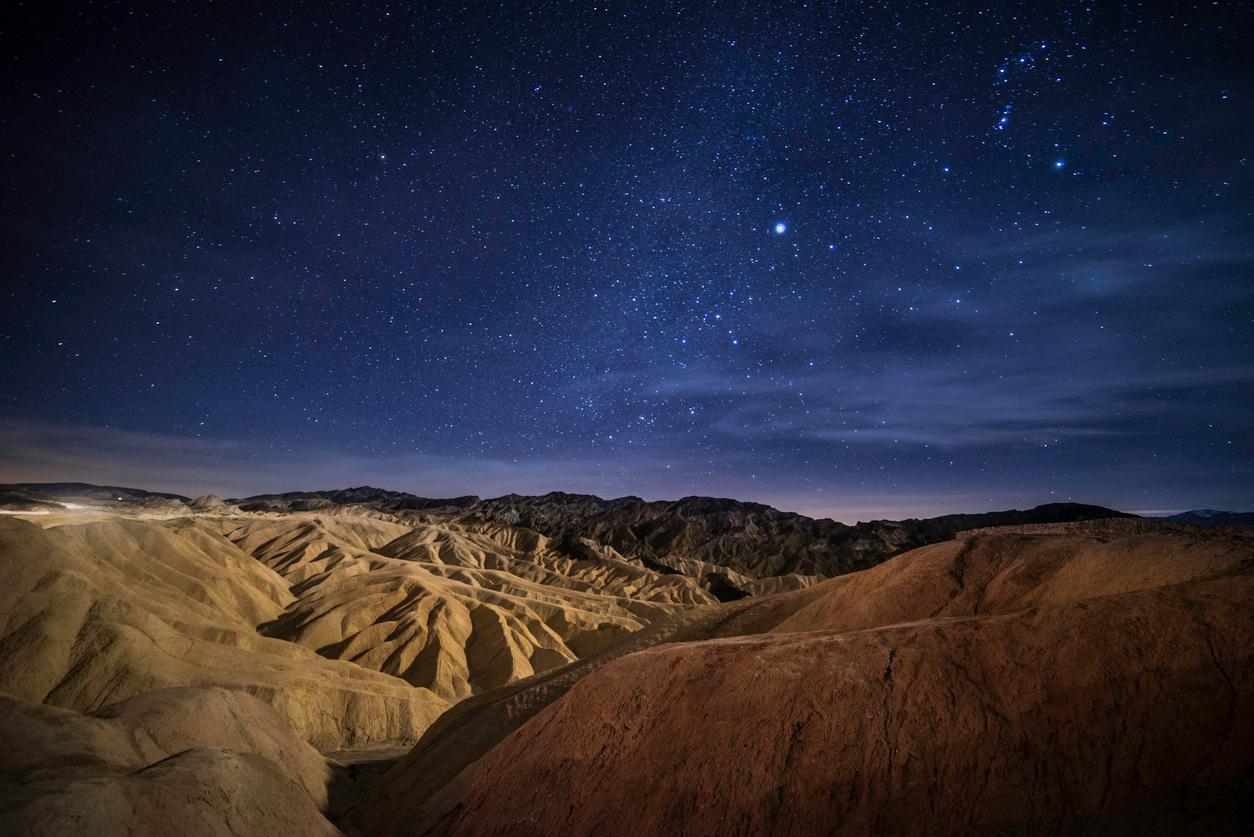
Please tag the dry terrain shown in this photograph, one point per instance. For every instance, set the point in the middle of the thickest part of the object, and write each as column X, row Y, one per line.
column 375, row 663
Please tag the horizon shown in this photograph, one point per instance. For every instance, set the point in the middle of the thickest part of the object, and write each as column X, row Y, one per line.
column 843, row 518
column 194, row 467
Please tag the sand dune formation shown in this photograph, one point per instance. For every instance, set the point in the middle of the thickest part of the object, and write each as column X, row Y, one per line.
column 371, row 662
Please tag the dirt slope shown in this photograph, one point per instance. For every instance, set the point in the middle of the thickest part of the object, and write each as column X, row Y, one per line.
column 191, row 761
column 447, row 609
column 1005, row 682
column 94, row 613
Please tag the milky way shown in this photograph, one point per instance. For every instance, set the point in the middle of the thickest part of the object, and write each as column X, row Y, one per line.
column 850, row 259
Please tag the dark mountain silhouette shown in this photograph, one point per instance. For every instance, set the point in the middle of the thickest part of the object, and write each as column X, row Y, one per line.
column 1212, row 517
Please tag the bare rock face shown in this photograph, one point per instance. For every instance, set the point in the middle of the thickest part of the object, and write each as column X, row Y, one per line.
column 700, row 536
column 356, row 626
column 729, row 548
column 94, row 613
column 1012, row 568
column 713, row 540
column 188, row 761
column 448, row 609
column 211, row 504
column 1005, row 682
column 209, row 792
column 169, row 721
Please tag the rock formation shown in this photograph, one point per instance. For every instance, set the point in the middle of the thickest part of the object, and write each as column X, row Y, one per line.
column 187, row 761
column 1003, row 682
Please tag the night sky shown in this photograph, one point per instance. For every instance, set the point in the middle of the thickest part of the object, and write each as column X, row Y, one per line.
column 849, row 259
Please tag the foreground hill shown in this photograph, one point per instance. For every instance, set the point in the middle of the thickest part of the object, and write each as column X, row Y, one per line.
column 1098, row 677
column 186, row 761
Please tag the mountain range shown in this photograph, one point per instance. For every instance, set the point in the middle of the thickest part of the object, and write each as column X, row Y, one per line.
column 726, row 544
column 1211, row 517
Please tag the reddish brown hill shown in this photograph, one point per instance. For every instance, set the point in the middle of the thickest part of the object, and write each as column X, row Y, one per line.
column 1000, row 570
column 1084, row 682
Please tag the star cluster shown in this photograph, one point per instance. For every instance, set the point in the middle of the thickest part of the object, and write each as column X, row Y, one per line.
column 898, row 257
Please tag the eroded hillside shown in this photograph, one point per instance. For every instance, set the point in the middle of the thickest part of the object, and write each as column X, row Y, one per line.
column 390, row 666
column 1076, row 681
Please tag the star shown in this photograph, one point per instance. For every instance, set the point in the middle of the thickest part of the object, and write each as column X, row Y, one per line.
column 580, row 233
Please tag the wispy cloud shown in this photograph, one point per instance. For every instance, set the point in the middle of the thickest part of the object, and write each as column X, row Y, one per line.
column 40, row 452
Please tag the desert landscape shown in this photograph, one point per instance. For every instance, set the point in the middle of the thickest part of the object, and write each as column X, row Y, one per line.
column 626, row 419
column 370, row 662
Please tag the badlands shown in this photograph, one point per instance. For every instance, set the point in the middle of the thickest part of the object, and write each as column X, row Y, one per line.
column 369, row 662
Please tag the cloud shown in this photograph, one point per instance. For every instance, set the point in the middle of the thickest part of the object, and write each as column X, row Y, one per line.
column 1046, row 399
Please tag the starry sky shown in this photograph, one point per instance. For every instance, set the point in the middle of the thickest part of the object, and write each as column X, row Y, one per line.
column 858, row 260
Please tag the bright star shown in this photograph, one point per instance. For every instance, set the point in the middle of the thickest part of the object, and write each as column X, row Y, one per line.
column 1060, row 163
column 780, row 228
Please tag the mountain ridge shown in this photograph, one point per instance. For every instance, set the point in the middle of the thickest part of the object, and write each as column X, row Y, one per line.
column 1211, row 517
column 728, row 545
column 404, row 500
